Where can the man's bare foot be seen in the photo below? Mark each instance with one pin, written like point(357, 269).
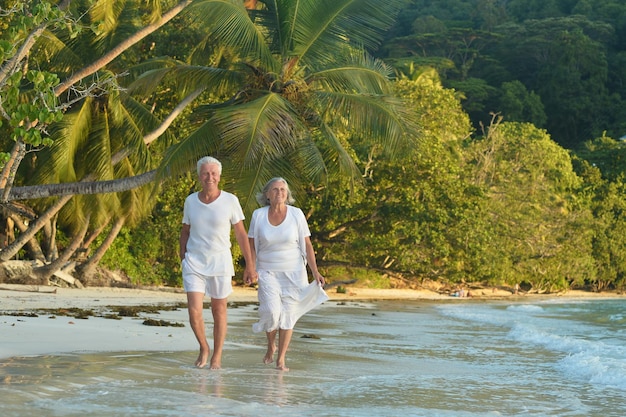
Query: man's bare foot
point(281, 367)
point(269, 355)
point(203, 357)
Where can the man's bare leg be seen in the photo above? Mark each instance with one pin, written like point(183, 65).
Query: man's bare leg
point(220, 316)
point(284, 337)
point(195, 305)
point(271, 347)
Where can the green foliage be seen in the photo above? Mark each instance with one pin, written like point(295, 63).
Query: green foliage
point(364, 277)
point(567, 54)
point(28, 103)
point(609, 250)
point(540, 231)
point(136, 253)
point(607, 154)
point(404, 212)
point(519, 105)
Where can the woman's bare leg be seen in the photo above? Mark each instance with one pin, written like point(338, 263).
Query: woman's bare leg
point(271, 347)
point(284, 337)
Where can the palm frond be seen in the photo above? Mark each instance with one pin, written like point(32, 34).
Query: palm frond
point(265, 136)
point(188, 78)
point(267, 127)
point(183, 156)
point(136, 203)
point(322, 27)
point(300, 167)
point(253, 133)
point(361, 74)
point(56, 163)
point(128, 138)
point(95, 158)
point(380, 117)
point(228, 22)
point(158, 67)
point(107, 13)
point(274, 28)
point(338, 161)
point(143, 121)
point(115, 21)
point(54, 54)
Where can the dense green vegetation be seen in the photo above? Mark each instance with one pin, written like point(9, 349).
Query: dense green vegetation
point(479, 146)
point(558, 64)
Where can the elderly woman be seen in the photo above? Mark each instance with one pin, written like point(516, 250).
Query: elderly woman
point(281, 245)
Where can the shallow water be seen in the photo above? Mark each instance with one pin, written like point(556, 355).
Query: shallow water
point(458, 358)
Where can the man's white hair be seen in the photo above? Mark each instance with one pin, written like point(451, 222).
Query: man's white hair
point(208, 160)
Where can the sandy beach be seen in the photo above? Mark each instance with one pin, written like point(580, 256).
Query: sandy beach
point(37, 320)
point(40, 320)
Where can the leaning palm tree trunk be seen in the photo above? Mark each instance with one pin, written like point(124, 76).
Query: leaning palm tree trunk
point(91, 237)
point(11, 250)
point(33, 245)
point(88, 268)
point(45, 272)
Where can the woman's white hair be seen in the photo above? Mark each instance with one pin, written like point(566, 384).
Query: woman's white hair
point(208, 160)
point(262, 199)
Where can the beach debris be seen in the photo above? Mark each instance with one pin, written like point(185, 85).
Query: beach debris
point(161, 323)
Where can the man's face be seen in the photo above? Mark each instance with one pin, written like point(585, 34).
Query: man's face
point(209, 175)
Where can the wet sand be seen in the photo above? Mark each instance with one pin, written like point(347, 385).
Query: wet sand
point(37, 320)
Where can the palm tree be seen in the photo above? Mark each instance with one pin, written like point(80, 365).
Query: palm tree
point(101, 136)
point(286, 85)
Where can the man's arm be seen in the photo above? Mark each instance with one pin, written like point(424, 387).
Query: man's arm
point(249, 274)
point(182, 243)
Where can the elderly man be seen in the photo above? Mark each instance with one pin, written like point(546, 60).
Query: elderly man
point(206, 258)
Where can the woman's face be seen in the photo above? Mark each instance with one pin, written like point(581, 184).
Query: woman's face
point(277, 193)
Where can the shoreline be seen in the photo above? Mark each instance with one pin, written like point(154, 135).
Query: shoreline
point(24, 298)
point(43, 320)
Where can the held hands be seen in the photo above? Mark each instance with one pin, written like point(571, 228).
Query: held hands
point(250, 276)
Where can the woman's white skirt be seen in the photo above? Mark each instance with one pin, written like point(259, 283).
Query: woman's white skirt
point(284, 297)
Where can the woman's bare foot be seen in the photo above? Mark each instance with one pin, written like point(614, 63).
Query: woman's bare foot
point(281, 367)
point(216, 362)
point(203, 357)
point(269, 355)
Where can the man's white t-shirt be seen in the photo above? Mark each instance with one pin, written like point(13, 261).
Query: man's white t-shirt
point(208, 248)
point(279, 248)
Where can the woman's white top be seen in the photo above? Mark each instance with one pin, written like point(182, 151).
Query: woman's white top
point(208, 248)
point(282, 247)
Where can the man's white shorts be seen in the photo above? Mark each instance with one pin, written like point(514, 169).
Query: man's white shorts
point(214, 287)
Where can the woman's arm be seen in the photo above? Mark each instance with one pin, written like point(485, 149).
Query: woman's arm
point(310, 258)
